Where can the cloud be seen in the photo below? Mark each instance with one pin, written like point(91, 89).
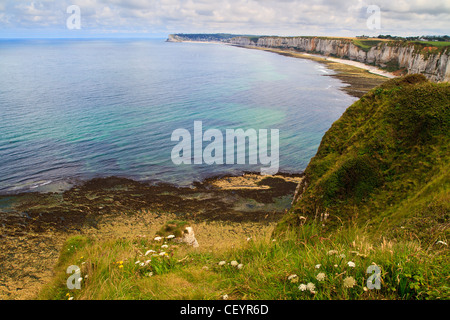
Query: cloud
point(285, 17)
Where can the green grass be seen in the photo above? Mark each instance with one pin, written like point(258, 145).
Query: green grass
point(366, 45)
point(387, 158)
point(408, 271)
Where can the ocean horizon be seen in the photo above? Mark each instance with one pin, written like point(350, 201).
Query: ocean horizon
point(73, 109)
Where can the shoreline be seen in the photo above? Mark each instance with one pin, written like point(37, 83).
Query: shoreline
point(359, 77)
point(34, 227)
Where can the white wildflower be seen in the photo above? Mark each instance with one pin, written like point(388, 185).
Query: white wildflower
point(342, 255)
point(157, 238)
point(164, 246)
point(234, 263)
point(310, 286)
point(170, 236)
point(321, 276)
point(150, 251)
point(162, 253)
point(302, 287)
point(221, 263)
point(225, 297)
point(351, 264)
point(331, 252)
point(349, 282)
point(318, 266)
point(293, 278)
point(240, 266)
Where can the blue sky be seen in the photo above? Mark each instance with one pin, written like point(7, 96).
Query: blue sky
point(158, 18)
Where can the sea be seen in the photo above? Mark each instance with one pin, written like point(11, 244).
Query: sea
point(76, 109)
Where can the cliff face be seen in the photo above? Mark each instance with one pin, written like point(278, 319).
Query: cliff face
point(435, 66)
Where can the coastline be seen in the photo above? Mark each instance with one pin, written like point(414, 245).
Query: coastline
point(359, 77)
point(34, 226)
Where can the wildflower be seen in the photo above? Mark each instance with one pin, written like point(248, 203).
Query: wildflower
point(70, 298)
point(321, 276)
point(249, 238)
point(162, 253)
point(310, 286)
point(441, 242)
point(170, 236)
point(142, 264)
point(293, 278)
point(157, 238)
point(302, 287)
point(318, 266)
point(331, 252)
point(121, 266)
point(234, 263)
point(149, 251)
point(225, 297)
point(150, 274)
point(205, 268)
point(164, 246)
point(349, 282)
point(137, 262)
point(335, 265)
point(221, 263)
point(240, 266)
point(351, 264)
point(147, 262)
point(80, 279)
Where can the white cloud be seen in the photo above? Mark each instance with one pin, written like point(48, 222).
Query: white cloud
point(285, 17)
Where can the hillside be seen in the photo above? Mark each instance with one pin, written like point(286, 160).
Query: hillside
point(384, 163)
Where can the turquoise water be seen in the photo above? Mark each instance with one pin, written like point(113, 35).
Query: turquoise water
point(72, 110)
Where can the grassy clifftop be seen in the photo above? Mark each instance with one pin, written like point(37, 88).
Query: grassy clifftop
point(384, 163)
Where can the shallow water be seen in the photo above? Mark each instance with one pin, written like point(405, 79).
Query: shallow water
point(72, 110)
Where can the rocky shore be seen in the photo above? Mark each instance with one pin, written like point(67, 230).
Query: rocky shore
point(34, 226)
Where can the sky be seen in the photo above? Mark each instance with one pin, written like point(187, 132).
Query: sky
point(158, 18)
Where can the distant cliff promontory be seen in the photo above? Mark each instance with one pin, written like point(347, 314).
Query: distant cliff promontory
point(432, 59)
